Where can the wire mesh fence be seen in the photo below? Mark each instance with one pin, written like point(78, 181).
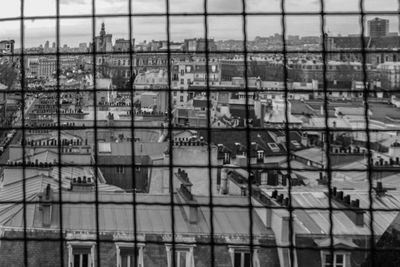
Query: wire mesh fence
point(289, 169)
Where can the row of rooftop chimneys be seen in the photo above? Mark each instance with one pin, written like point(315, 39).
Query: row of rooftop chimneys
point(82, 180)
point(112, 104)
point(189, 143)
point(280, 198)
point(32, 164)
point(147, 113)
point(349, 150)
point(351, 207)
point(55, 142)
point(49, 124)
point(55, 110)
point(382, 162)
point(47, 101)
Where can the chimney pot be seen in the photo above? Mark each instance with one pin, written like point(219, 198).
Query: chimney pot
point(347, 199)
point(280, 198)
point(286, 202)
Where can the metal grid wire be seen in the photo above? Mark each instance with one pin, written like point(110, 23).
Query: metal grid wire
point(244, 14)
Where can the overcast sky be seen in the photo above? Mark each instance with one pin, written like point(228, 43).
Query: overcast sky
point(74, 31)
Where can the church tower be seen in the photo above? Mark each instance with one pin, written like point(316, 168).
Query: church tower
point(103, 30)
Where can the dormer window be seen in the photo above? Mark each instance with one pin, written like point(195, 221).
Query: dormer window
point(274, 147)
point(260, 154)
point(120, 169)
point(337, 259)
point(227, 158)
point(81, 254)
point(128, 254)
point(183, 256)
point(296, 144)
point(242, 257)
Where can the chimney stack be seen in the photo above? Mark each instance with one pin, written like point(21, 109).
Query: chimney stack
point(45, 206)
point(185, 192)
point(351, 207)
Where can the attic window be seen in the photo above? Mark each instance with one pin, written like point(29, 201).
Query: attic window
point(295, 143)
point(120, 169)
point(242, 257)
point(183, 256)
point(81, 254)
point(127, 254)
point(227, 158)
point(274, 147)
point(338, 259)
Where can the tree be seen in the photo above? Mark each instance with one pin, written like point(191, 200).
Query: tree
point(8, 74)
point(119, 81)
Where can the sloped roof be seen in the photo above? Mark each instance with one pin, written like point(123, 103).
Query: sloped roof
point(125, 148)
point(316, 221)
point(79, 213)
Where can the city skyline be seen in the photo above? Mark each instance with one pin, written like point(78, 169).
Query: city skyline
point(182, 27)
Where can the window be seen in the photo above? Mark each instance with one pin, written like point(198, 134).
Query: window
point(274, 147)
point(227, 158)
point(335, 260)
point(295, 143)
point(183, 256)
point(127, 254)
point(182, 81)
point(181, 98)
point(242, 257)
point(182, 72)
point(120, 169)
point(81, 254)
point(260, 154)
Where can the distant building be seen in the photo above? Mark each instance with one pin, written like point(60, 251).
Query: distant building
point(378, 27)
point(380, 49)
point(103, 42)
point(390, 75)
point(122, 45)
point(83, 47)
point(7, 47)
point(199, 45)
point(192, 73)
